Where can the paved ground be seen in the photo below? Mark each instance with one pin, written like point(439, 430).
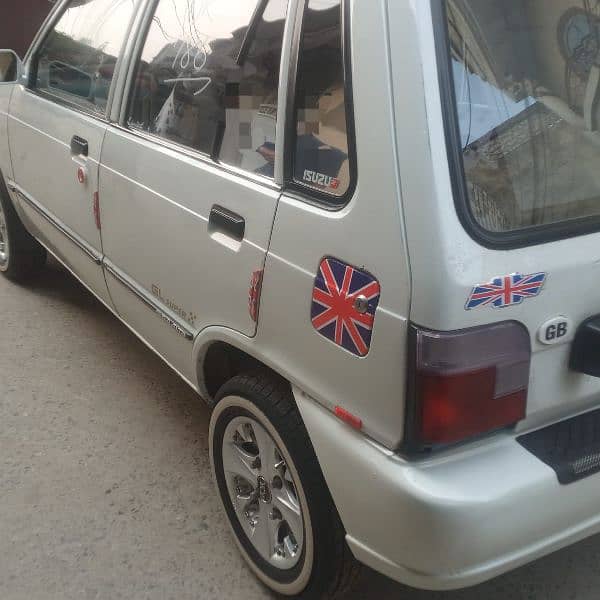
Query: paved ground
point(105, 490)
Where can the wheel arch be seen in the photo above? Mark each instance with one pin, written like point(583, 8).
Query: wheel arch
point(221, 355)
point(10, 196)
point(4, 188)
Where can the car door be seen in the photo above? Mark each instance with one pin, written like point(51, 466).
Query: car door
point(9, 67)
point(56, 127)
point(187, 180)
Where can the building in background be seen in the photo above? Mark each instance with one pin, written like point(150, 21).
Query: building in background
point(20, 23)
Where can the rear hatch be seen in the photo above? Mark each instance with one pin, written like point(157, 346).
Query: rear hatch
point(520, 93)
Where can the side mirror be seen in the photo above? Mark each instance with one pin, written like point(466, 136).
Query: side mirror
point(66, 78)
point(10, 66)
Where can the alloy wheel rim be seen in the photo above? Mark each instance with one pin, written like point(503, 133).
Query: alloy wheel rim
point(263, 493)
point(4, 246)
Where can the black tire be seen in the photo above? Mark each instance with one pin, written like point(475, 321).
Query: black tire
point(326, 568)
point(21, 256)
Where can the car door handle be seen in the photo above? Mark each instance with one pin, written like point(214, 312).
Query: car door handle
point(79, 146)
point(227, 222)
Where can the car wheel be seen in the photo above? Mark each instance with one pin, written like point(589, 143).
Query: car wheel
point(21, 256)
point(274, 494)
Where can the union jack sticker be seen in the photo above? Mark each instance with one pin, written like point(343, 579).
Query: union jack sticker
point(509, 290)
point(343, 305)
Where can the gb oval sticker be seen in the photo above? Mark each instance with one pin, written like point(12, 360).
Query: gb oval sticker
point(555, 331)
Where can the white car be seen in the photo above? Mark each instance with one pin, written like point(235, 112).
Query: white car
point(367, 232)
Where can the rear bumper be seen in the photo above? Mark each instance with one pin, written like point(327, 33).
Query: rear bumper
point(453, 521)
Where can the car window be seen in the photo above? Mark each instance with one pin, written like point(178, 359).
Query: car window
point(208, 79)
point(526, 85)
point(77, 60)
point(322, 150)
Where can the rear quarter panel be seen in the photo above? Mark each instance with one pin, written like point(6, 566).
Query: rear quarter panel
point(368, 233)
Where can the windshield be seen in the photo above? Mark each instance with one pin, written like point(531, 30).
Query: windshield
point(526, 77)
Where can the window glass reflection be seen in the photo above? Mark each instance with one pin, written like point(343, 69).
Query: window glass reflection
point(208, 79)
point(321, 159)
point(526, 78)
point(77, 61)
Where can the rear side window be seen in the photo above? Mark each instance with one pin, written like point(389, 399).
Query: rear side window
point(321, 159)
point(526, 79)
point(208, 79)
point(76, 62)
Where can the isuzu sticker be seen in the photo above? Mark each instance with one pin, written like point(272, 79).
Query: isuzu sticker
point(343, 305)
point(506, 291)
point(321, 179)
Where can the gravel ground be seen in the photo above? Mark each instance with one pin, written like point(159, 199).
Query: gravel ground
point(105, 485)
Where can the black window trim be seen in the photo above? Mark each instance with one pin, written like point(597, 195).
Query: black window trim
point(32, 58)
point(292, 187)
point(509, 240)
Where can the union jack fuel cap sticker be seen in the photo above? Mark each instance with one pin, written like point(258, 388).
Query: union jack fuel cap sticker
point(343, 305)
point(509, 290)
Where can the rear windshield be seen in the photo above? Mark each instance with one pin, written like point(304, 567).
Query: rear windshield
point(526, 82)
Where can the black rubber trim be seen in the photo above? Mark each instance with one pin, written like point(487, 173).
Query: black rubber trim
point(175, 324)
point(571, 448)
point(410, 443)
point(294, 188)
point(509, 240)
point(248, 40)
point(88, 250)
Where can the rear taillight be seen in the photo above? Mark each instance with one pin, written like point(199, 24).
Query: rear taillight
point(466, 383)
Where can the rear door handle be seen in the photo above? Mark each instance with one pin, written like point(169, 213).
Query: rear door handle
point(227, 222)
point(79, 146)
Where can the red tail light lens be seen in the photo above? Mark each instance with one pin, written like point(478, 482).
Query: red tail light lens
point(467, 383)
